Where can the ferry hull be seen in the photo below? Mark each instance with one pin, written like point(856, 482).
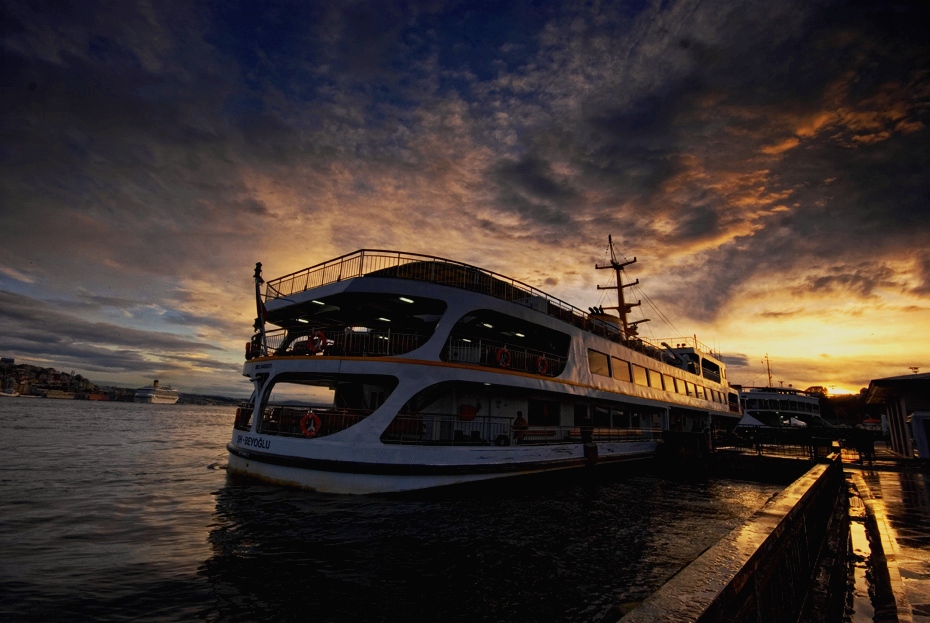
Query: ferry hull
point(346, 477)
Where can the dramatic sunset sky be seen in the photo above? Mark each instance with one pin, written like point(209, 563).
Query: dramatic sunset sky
point(766, 162)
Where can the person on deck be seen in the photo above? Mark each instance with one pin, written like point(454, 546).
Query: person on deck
point(519, 427)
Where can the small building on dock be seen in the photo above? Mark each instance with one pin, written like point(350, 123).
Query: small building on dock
point(902, 396)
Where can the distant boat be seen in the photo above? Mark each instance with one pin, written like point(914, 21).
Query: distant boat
point(7, 393)
point(156, 395)
point(59, 394)
point(779, 406)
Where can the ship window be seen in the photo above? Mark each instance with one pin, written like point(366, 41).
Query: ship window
point(489, 338)
point(599, 363)
point(621, 370)
point(338, 401)
point(581, 414)
point(668, 382)
point(655, 379)
point(355, 324)
point(689, 387)
point(543, 413)
point(639, 375)
point(792, 405)
point(601, 417)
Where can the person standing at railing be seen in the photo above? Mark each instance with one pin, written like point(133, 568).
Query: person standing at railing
point(519, 427)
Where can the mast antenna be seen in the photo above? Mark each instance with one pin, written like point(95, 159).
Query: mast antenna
point(623, 308)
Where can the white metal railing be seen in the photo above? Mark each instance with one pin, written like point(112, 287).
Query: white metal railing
point(446, 429)
point(352, 344)
point(500, 355)
point(287, 420)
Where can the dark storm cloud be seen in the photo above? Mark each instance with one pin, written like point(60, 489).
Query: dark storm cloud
point(863, 280)
point(529, 187)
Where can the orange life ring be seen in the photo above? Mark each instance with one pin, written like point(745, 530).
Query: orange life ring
point(542, 365)
point(467, 412)
point(310, 424)
point(318, 340)
point(503, 357)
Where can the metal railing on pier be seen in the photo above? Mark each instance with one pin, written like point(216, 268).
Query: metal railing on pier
point(812, 443)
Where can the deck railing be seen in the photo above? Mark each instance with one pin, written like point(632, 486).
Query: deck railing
point(500, 355)
point(429, 428)
point(353, 344)
point(288, 421)
point(446, 429)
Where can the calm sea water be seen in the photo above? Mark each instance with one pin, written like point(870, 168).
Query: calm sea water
point(114, 511)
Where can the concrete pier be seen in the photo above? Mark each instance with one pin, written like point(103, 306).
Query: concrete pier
point(789, 561)
point(895, 494)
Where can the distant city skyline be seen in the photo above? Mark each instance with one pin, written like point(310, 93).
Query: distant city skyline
point(767, 163)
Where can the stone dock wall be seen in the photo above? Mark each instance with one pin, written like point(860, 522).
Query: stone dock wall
point(790, 552)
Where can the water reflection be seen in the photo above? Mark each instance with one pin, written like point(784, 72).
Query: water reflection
point(550, 548)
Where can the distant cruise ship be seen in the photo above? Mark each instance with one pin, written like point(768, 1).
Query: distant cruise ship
point(157, 395)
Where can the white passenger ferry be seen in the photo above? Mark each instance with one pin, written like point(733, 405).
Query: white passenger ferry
point(383, 371)
point(156, 395)
point(779, 406)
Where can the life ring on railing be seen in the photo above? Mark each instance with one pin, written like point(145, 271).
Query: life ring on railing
point(310, 424)
point(542, 365)
point(319, 342)
point(248, 351)
point(467, 412)
point(503, 357)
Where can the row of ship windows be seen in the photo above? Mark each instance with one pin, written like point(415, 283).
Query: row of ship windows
point(784, 405)
point(604, 365)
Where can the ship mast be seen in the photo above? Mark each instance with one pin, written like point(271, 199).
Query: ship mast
point(623, 308)
point(768, 369)
point(262, 314)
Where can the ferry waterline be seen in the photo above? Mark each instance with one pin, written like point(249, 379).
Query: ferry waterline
point(383, 371)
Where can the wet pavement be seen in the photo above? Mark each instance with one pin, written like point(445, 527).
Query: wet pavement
point(896, 496)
